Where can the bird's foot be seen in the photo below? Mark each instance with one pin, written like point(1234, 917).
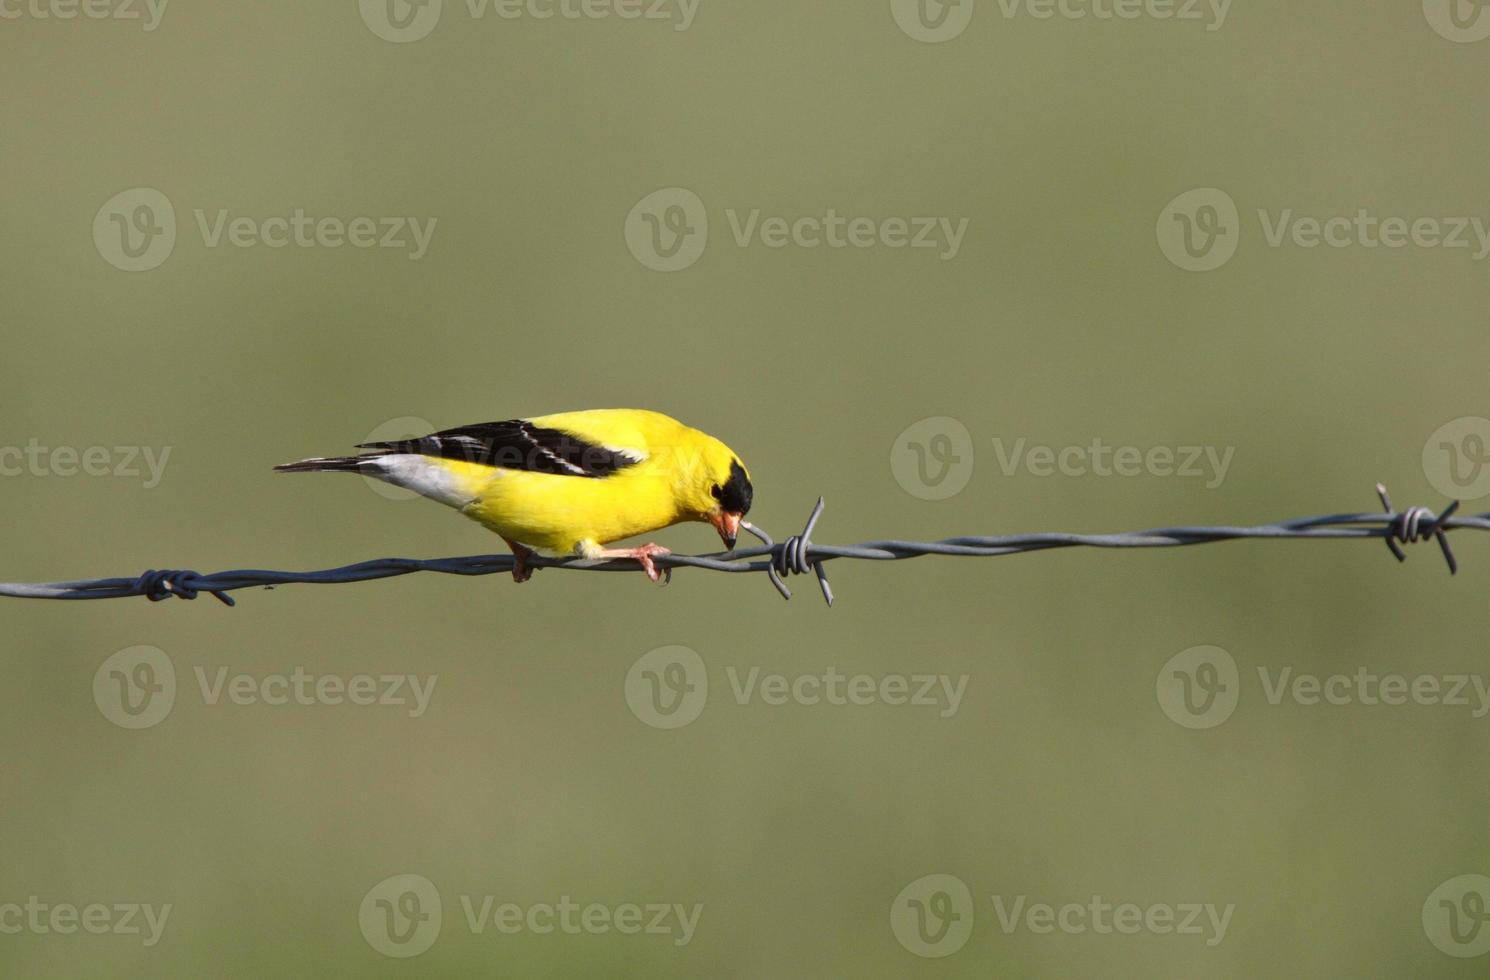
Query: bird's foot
point(643, 556)
point(521, 570)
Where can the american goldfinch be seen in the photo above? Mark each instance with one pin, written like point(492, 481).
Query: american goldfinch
point(567, 484)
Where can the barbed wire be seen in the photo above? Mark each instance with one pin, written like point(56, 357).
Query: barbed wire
point(797, 555)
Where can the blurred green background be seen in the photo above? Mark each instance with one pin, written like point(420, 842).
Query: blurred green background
point(528, 141)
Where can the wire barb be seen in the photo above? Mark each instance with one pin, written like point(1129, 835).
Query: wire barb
point(794, 556)
point(1417, 524)
point(159, 585)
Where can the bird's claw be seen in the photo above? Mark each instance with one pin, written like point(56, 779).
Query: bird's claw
point(644, 556)
point(521, 570)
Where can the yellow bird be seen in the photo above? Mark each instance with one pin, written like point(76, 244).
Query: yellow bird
point(567, 484)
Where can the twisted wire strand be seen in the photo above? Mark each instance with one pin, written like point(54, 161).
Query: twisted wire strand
point(797, 555)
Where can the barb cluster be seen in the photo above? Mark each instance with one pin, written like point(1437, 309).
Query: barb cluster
point(795, 556)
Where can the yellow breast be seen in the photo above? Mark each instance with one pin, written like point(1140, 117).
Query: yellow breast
point(554, 513)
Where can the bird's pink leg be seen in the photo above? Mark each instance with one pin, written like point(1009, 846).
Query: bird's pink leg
point(643, 555)
point(521, 572)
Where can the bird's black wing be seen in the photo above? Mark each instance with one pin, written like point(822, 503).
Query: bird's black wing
point(515, 445)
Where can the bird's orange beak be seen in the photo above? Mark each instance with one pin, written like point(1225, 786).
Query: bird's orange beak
point(728, 526)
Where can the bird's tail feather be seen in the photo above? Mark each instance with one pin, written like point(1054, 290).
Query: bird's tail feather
point(328, 464)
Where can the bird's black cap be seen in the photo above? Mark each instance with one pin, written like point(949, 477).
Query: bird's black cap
point(736, 494)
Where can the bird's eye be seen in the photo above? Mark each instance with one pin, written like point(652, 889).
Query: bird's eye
point(716, 492)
